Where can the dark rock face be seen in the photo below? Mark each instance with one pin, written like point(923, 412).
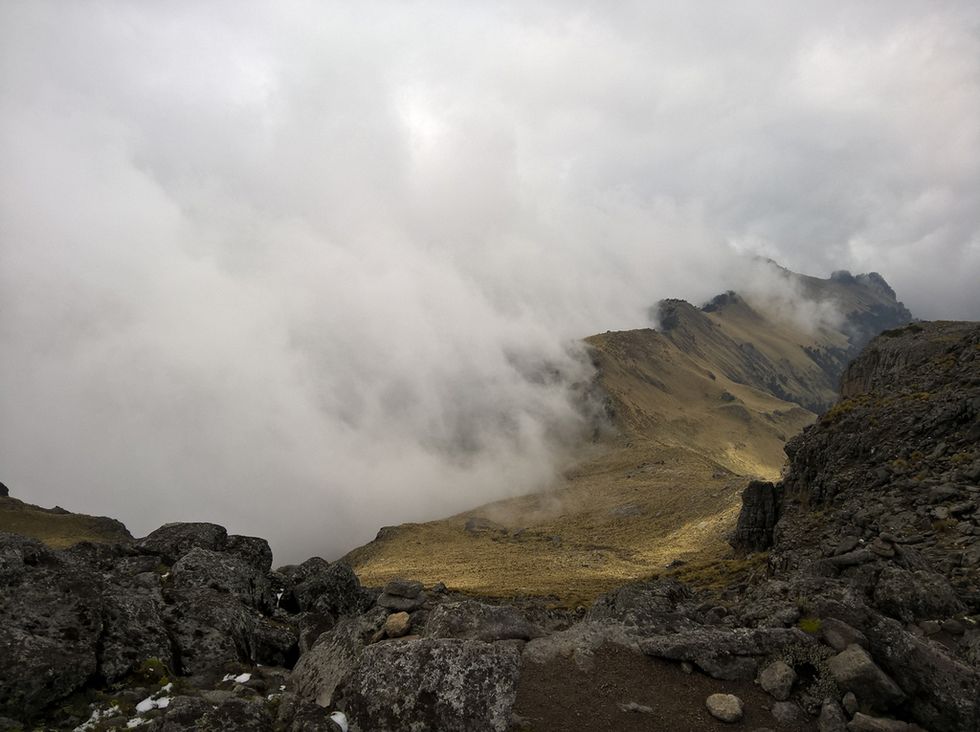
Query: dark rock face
point(878, 527)
point(173, 541)
point(761, 502)
point(318, 586)
point(98, 613)
point(4, 491)
point(444, 684)
point(50, 623)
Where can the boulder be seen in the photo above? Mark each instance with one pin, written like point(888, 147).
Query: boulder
point(204, 569)
point(450, 685)
point(580, 642)
point(51, 615)
point(725, 654)
point(274, 642)
point(478, 621)
point(320, 670)
point(726, 707)
point(403, 588)
point(853, 670)
point(777, 679)
point(172, 541)
point(252, 550)
point(831, 718)
point(866, 723)
point(318, 586)
point(910, 596)
point(839, 635)
point(134, 631)
point(209, 629)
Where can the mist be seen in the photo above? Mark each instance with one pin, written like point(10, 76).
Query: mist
point(309, 269)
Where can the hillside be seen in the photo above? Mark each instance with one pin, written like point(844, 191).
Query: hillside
point(699, 407)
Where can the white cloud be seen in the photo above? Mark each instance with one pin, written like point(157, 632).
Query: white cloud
point(285, 267)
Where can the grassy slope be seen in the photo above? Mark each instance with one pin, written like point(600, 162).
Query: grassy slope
point(56, 529)
point(667, 487)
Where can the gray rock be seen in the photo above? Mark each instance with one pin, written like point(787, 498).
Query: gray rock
point(318, 586)
point(478, 621)
point(51, 615)
point(320, 670)
point(839, 635)
point(725, 654)
point(910, 596)
point(209, 628)
point(761, 506)
point(832, 718)
point(942, 690)
point(252, 550)
point(398, 603)
point(865, 723)
point(853, 670)
point(204, 569)
point(580, 642)
point(172, 541)
point(449, 685)
point(787, 713)
point(726, 707)
point(274, 642)
point(777, 679)
point(133, 632)
point(403, 588)
point(850, 703)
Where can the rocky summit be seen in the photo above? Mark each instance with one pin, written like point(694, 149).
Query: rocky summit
point(859, 611)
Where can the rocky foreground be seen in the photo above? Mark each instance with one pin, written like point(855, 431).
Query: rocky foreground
point(863, 616)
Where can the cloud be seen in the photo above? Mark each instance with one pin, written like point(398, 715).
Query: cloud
point(302, 269)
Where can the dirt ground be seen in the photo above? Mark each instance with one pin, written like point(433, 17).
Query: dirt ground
point(558, 697)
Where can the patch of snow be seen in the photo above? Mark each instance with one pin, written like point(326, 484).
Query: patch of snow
point(134, 722)
point(282, 687)
point(97, 716)
point(167, 689)
point(228, 677)
point(150, 703)
point(242, 678)
point(341, 719)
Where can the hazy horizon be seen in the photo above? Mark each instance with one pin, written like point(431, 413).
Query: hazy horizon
point(297, 269)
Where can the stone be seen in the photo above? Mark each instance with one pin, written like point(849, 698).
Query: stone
point(397, 624)
point(725, 707)
point(209, 629)
point(319, 586)
point(403, 588)
point(320, 670)
point(866, 723)
point(51, 615)
point(761, 506)
point(853, 670)
point(172, 541)
point(831, 717)
point(777, 680)
point(787, 713)
point(207, 570)
point(839, 635)
point(252, 550)
point(134, 631)
point(398, 603)
point(910, 596)
point(478, 621)
point(274, 642)
point(725, 654)
point(850, 703)
point(445, 684)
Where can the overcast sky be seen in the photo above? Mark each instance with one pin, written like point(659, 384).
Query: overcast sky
point(294, 266)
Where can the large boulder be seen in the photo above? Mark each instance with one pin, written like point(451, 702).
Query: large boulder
point(204, 569)
point(319, 586)
point(854, 670)
point(51, 615)
point(478, 621)
point(449, 685)
point(209, 629)
point(172, 541)
point(911, 596)
point(725, 654)
point(321, 669)
point(134, 632)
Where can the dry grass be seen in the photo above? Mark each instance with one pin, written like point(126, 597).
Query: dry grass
point(667, 488)
point(57, 530)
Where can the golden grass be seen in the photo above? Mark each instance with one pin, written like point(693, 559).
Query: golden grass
point(57, 530)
